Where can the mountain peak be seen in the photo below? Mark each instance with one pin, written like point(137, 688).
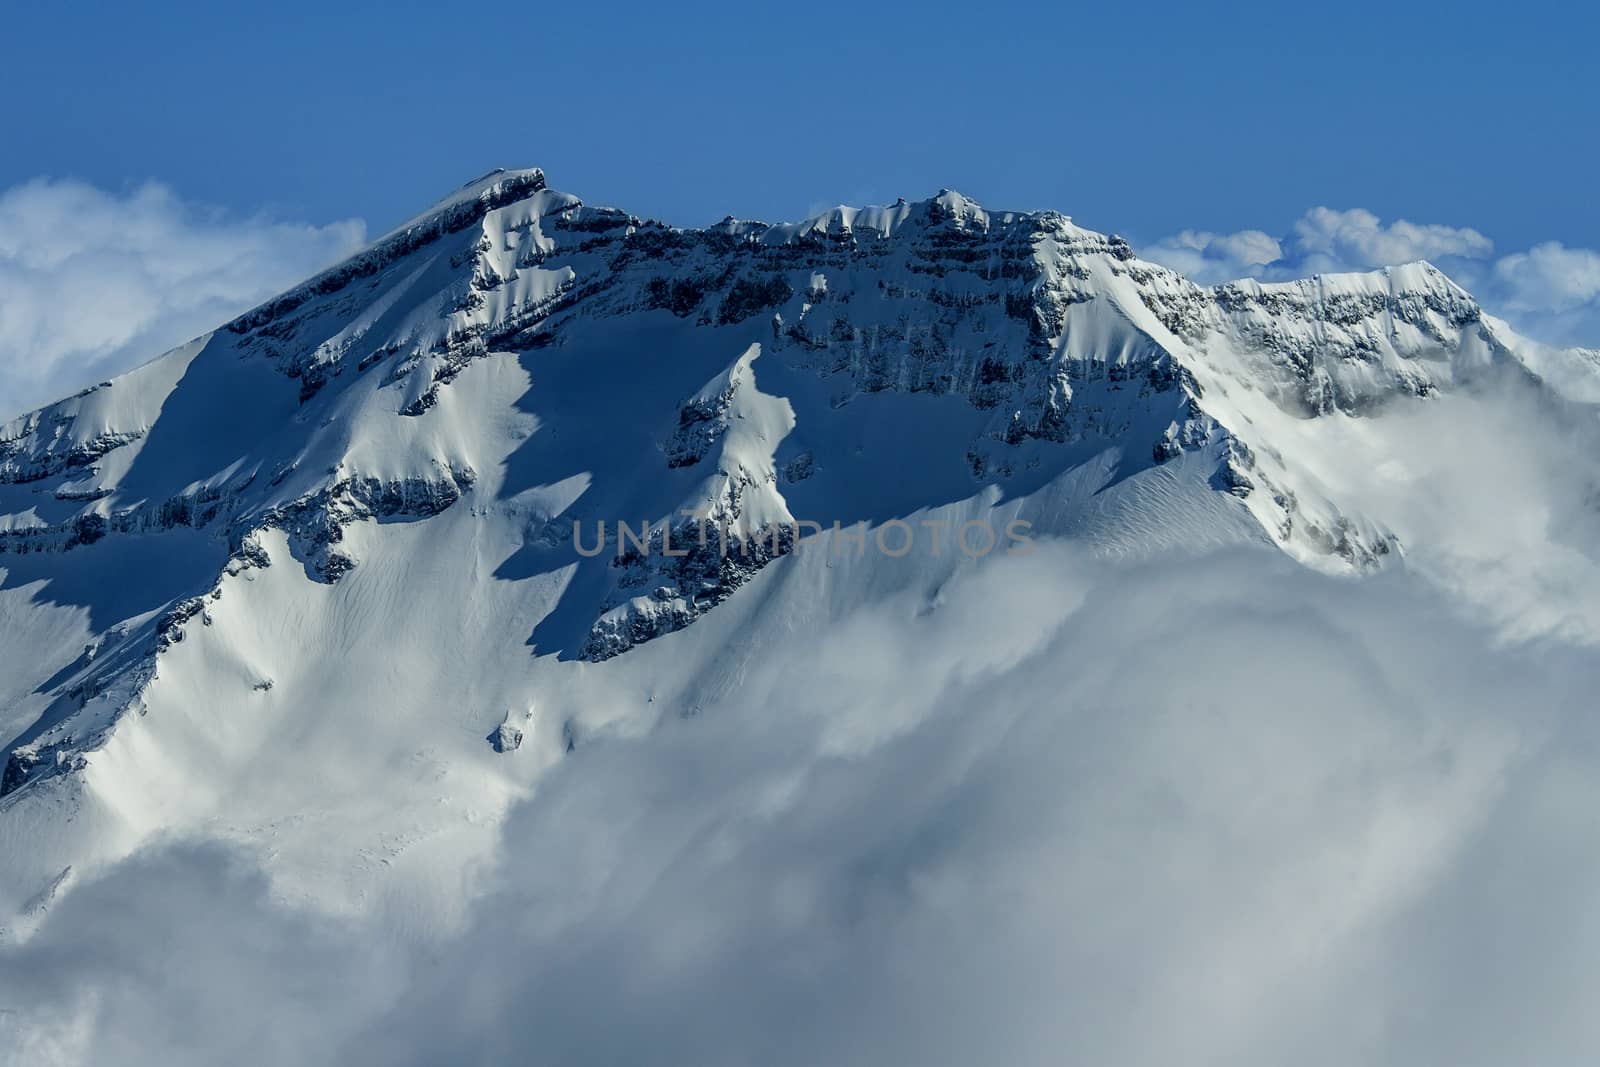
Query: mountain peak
point(467, 205)
point(429, 426)
point(498, 187)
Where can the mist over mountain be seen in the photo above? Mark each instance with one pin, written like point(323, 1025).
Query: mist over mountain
point(1086, 664)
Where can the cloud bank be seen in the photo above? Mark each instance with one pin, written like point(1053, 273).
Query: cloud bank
point(93, 283)
point(1221, 810)
point(1549, 291)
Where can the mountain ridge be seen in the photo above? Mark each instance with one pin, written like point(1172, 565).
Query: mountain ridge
point(1340, 309)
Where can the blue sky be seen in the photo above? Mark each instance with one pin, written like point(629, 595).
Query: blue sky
point(1142, 118)
point(167, 165)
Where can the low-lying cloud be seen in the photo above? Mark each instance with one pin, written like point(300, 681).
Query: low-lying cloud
point(94, 282)
point(1221, 810)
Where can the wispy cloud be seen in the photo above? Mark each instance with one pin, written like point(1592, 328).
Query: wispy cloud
point(1553, 280)
point(1325, 239)
point(93, 282)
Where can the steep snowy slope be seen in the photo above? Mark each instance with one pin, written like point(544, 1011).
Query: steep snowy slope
point(310, 584)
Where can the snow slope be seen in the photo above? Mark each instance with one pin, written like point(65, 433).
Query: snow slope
point(308, 586)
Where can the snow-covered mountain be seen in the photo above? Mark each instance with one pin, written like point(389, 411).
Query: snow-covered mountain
point(309, 585)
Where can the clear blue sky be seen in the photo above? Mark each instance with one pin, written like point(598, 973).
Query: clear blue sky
point(1142, 118)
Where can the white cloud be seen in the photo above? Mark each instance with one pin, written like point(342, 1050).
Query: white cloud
point(1230, 828)
point(1257, 805)
point(93, 282)
point(182, 990)
point(1359, 240)
point(1549, 277)
point(1322, 241)
point(1211, 257)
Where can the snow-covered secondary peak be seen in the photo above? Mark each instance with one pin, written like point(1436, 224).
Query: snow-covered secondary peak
point(948, 209)
point(375, 479)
